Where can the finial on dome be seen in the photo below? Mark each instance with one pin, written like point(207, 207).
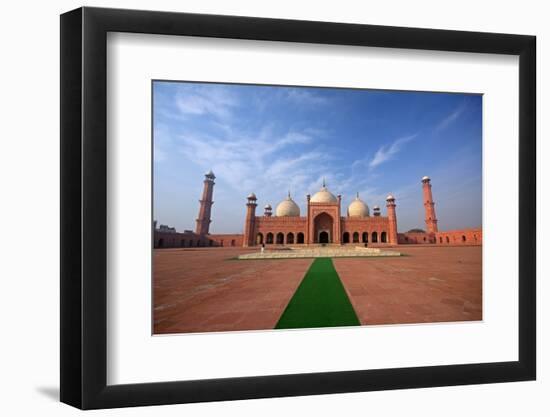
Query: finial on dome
point(357, 196)
point(324, 183)
point(289, 195)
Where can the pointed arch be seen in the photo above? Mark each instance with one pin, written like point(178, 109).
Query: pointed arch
point(345, 237)
point(374, 238)
point(290, 238)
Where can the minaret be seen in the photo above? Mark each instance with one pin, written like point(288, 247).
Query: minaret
point(431, 220)
point(267, 210)
point(250, 221)
point(337, 232)
point(392, 218)
point(309, 231)
point(376, 211)
point(203, 221)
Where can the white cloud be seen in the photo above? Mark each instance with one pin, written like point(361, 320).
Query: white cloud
point(451, 117)
point(388, 152)
point(213, 100)
point(305, 97)
point(266, 163)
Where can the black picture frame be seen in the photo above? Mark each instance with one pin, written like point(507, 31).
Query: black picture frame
point(84, 207)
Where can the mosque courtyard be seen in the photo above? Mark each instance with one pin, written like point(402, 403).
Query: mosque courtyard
point(209, 289)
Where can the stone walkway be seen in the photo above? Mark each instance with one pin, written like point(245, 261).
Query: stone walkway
point(320, 252)
point(208, 289)
point(432, 284)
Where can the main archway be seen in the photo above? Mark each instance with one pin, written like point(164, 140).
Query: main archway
point(323, 225)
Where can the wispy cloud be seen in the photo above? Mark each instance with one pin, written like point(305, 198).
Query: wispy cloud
point(304, 97)
point(388, 152)
point(261, 163)
point(451, 117)
point(246, 159)
point(214, 100)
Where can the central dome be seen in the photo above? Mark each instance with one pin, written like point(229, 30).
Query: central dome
point(287, 208)
point(324, 196)
point(358, 208)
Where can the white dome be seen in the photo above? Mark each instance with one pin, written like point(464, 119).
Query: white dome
point(358, 208)
point(287, 208)
point(324, 196)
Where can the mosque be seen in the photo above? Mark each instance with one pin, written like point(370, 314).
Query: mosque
point(323, 223)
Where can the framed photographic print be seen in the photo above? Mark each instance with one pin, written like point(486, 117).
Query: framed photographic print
point(258, 207)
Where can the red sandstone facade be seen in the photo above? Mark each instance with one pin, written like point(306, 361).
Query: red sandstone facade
point(323, 223)
point(460, 237)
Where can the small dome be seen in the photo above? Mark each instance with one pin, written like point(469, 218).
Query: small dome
point(425, 178)
point(287, 208)
point(390, 197)
point(210, 174)
point(324, 196)
point(358, 208)
point(376, 208)
point(267, 207)
point(252, 196)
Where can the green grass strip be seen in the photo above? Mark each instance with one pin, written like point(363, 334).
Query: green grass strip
point(319, 301)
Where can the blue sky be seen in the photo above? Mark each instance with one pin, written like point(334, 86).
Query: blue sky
point(269, 140)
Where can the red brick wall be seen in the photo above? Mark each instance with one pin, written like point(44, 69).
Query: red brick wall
point(450, 237)
point(369, 225)
point(178, 240)
point(227, 239)
point(289, 227)
point(460, 237)
point(193, 240)
point(285, 225)
point(409, 238)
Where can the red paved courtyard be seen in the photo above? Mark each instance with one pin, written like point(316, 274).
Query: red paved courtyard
point(207, 289)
